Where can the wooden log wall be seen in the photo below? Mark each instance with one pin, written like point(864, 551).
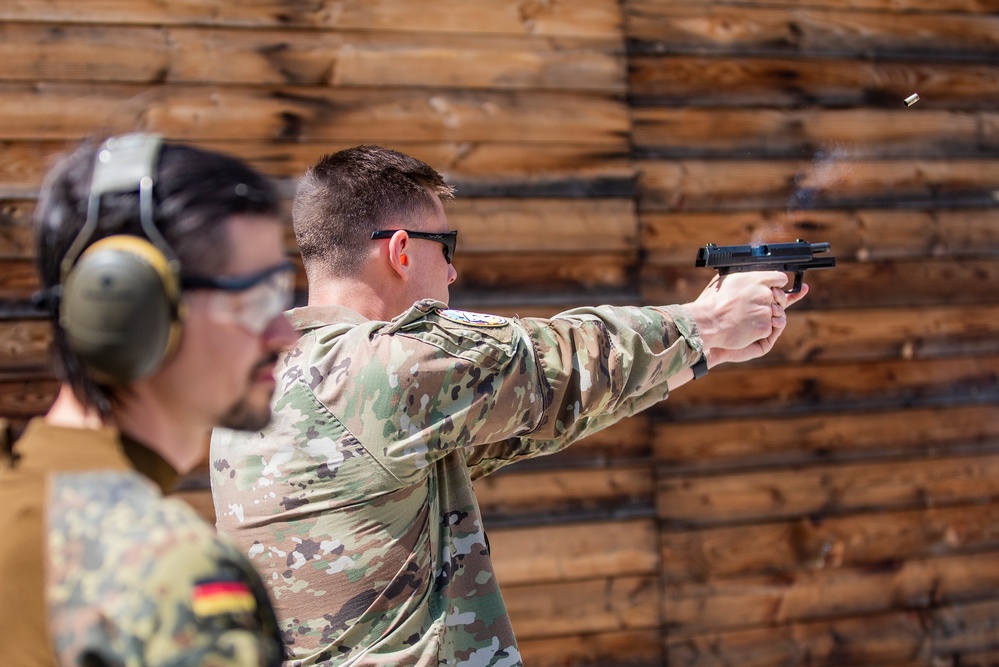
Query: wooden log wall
point(834, 503)
point(831, 504)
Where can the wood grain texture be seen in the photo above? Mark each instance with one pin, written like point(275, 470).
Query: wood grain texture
point(757, 442)
point(600, 18)
point(827, 181)
point(811, 30)
point(638, 648)
point(850, 133)
point(830, 504)
point(755, 601)
point(903, 639)
point(175, 55)
point(800, 389)
point(291, 113)
point(574, 551)
point(583, 608)
point(827, 490)
point(862, 235)
point(863, 539)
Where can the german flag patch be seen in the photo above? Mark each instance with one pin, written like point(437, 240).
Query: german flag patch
point(215, 598)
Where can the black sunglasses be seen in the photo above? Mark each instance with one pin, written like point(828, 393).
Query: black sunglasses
point(446, 239)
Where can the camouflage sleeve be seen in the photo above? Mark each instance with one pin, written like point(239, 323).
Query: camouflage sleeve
point(215, 614)
point(432, 382)
point(634, 351)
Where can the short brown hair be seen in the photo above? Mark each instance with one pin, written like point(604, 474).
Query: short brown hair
point(349, 194)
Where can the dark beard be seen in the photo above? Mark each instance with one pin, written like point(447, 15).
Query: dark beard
point(242, 416)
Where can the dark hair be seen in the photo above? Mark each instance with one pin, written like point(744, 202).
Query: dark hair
point(347, 195)
point(195, 191)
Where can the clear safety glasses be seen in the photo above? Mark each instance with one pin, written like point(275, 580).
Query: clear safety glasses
point(251, 301)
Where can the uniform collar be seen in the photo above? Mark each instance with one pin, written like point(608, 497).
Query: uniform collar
point(149, 463)
point(46, 447)
point(314, 317)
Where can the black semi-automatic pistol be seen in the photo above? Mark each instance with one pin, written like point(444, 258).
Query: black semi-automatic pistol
point(795, 258)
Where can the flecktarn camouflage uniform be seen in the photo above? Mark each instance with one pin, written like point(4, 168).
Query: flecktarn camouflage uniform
point(356, 504)
point(130, 578)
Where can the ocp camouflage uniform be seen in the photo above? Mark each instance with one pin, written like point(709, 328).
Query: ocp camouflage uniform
point(357, 504)
point(98, 568)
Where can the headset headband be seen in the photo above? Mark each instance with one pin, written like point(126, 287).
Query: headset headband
point(123, 164)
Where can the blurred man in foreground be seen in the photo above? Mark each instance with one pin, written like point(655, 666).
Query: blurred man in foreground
point(163, 268)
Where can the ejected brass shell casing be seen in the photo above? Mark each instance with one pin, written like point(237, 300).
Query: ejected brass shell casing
point(911, 99)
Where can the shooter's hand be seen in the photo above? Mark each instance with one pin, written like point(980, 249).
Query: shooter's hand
point(740, 316)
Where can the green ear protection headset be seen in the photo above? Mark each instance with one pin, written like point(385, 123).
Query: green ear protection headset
point(120, 297)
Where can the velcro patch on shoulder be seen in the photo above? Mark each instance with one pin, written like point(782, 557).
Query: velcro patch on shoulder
point(473, 319)
point(214, 598)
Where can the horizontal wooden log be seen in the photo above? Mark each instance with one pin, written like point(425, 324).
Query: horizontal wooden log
point(971, 658)
point(692, 608)
point(664, 27)
point(295, 113)
point(829, 181)
point(686, 500)
point(966, 628)
point(157, 55)
point(640, 648)
point(759, 442)
point(18, 279)
point(549, 493)
point(600, 18)
point(24, 344)
point(967, 6)
point(858, 133)
point(740, 391)
point(24, 397)
point(486, 226)
point(555, 226)
point(508, 170)
point(536, 272)
point(574, 551)
point(672, 238)
point(903, 284)
point(748, 81)
point(590, 606)
point(822, 543)
point(16, 235)
point(887, 640)
point(889, 333)
point(936, 637)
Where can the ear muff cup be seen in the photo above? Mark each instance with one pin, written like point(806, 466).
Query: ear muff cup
point(120, 309)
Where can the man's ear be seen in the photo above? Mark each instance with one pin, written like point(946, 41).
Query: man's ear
point(398, 258)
